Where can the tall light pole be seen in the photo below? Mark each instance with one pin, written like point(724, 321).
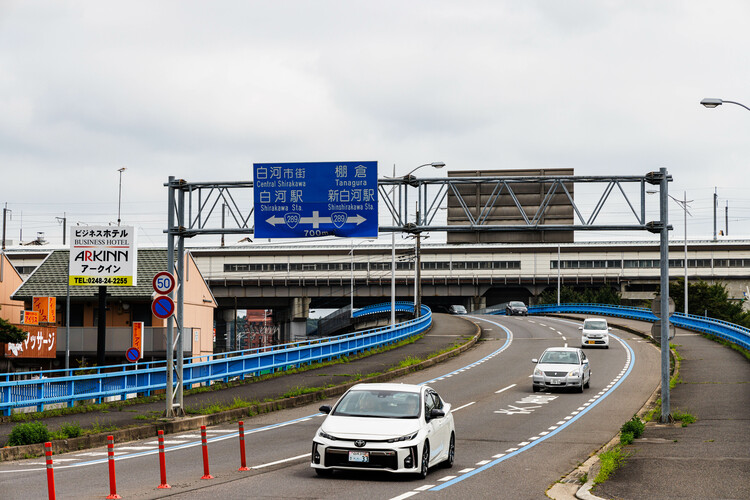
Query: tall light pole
point(119, 196)
point(351, 252)
point(417, 262)
point(683, 203)
point(712, 102)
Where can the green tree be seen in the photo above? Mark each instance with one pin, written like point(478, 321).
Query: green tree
point(568, 295)
point(711, 300)
point(11, 333)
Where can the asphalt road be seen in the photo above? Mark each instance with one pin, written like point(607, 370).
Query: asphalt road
point(511, 443)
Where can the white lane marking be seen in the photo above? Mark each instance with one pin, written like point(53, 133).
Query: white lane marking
point(462, 407)
point(511, 450)
point(483, 462)
point(468, 469)
point(425, 487)
point(506, 388)
point(283, 460)
point(405, 495)
point(447, 478)
point(521, 444)
point(499, 455)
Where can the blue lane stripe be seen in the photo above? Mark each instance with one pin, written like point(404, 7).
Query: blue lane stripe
point(544, 438)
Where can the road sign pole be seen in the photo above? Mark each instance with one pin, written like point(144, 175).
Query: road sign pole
point(664, 265)
point(169, 411)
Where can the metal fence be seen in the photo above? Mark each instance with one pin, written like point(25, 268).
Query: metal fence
point(43, 388)
point(730, 332)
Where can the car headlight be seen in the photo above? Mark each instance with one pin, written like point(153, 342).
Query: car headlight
point(574, 373)
point(325, 435)
point(408, 437)
point(538, 372)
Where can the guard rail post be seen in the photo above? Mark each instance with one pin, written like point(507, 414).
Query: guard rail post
point(243, 463)
point(204, 445)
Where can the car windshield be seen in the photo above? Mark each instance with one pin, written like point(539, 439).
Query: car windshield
point(379, 404)
point(559, 357)
point(598, 324)
point(517, 304)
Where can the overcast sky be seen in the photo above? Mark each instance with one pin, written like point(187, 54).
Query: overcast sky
point(202, 90)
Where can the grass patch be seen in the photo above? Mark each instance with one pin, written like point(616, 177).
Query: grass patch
point(610, 461)
point(684, 417)
point(410, 361)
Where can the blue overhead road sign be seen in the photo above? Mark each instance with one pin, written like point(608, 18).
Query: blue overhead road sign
point(297, 200)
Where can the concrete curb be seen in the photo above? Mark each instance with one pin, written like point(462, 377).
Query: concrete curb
point(195, 422)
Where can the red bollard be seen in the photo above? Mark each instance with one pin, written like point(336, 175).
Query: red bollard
point(50, 471)
point(204, 443)
point(242, 447)
point(111, 459)
point(162, 462)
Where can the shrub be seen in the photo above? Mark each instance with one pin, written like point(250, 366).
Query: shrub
point(633, 426)
point(28, 433)
point(626, 438)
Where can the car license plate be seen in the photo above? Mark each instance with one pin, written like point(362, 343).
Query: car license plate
point(591, 342)
point(555, 381)
point(359, 456)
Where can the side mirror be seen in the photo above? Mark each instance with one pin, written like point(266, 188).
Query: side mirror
point(436, 413)
point(609, 328)
point(534, 360)
point(580, 328)
point(325, 409)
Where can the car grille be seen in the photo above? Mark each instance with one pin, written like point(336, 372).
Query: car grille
point(555, 374)
point(379, 459)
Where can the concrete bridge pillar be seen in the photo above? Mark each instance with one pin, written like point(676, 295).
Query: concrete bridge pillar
point(478, 302)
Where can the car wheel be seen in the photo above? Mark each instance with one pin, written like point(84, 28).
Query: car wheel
point(580, 388)
point(324, 472)
point(425, 460)
point(588, 382)
point(535, 388)
point(451, 452)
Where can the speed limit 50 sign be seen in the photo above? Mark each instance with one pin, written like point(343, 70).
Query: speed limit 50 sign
point(163, 282)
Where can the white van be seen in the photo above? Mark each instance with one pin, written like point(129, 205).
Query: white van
point(595, 332)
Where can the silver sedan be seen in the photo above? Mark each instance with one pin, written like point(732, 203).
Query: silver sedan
point(561, 367)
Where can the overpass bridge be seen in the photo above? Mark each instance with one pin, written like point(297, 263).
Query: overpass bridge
point(292, 280)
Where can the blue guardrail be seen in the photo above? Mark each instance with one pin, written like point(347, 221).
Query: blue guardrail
point(730, 332)
point(46, 387)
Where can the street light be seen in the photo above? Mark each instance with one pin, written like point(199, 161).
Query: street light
point(119, 196)
point(683, 203)
point(351, 252)
point(712, 102)
point(417, 277)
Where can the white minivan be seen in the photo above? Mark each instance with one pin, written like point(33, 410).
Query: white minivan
point(595, 332)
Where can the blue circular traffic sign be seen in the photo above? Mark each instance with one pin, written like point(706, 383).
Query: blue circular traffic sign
point(133, 354)
point(162, 307)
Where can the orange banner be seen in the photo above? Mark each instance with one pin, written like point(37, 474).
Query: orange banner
point(46, 307)
point(41, 342)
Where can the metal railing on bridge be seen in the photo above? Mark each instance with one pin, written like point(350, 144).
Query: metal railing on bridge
point(730, 332)
point(97, 383)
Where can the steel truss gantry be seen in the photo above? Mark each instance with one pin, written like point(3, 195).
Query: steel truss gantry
point(200, 216)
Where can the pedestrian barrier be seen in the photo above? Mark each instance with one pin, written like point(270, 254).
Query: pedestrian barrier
point(204, 446)
point(243, 463)
point(162, 462)
point(50, 471)
point(111, 460)
point(46, 387)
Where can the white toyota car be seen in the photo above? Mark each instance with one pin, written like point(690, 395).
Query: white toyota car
point(397, 428)
point(595, 332)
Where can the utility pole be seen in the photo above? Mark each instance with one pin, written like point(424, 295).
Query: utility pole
point(726, 219)
point(716, 202)
point(5, 215)
point(64, 221)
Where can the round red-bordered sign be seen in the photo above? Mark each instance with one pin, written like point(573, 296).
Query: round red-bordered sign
point(163, 282)
point(162, 307)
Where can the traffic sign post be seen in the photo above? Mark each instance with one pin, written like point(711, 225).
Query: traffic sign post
point(162, 307)
point(298, 200)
